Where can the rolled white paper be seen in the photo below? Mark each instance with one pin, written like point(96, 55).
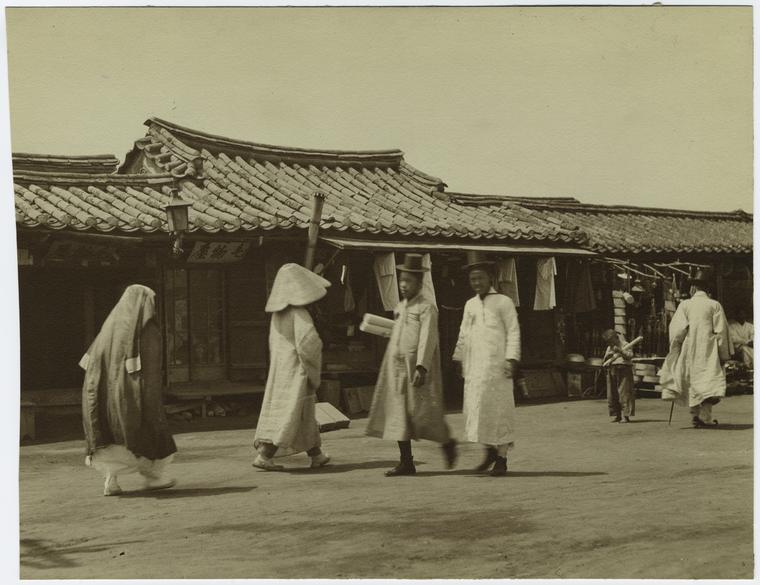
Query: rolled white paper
point(378, 321)
point(375, 330)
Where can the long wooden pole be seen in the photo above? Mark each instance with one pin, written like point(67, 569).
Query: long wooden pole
point(317, 201)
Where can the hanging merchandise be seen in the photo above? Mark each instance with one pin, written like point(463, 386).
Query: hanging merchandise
point(506, 279)
point(339, 301)
point(427, 279)
point(349, 304)
point(583, 298)
point(545, 298)
point(387, 282)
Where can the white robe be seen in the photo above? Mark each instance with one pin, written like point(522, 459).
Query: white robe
point(699, 342)
point(489, 335)
point(288, 419)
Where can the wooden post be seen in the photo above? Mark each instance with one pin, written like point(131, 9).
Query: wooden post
point(317, 201)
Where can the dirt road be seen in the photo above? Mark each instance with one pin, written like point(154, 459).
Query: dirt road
point(584, 499)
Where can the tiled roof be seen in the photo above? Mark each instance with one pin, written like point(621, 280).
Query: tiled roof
point(237, 185)
point(55, 163)
point(245, 185)
point(92, 202)
point(629, 229)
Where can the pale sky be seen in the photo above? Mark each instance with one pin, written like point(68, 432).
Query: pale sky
point(645, 106)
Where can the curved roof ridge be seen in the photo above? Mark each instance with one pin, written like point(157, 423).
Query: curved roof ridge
point(35, 155)
point(591, 207)
point(56, 163)
point(574, 204)
point(93, 178)
point(490, 199)
point(381, 156)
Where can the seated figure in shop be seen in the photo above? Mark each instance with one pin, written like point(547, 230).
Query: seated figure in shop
point(742, 335)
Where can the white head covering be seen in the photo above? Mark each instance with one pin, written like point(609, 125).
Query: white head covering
point(295, 286)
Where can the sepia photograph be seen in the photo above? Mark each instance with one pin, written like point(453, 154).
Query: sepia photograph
point(380, 292)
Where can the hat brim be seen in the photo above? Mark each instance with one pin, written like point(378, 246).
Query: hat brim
point(474, 265)
point(402, 268)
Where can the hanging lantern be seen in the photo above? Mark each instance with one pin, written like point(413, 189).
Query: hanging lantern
point(178, 219)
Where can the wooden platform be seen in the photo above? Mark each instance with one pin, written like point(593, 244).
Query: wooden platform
point(53, 397)
point(330, 418)
point(203, 392)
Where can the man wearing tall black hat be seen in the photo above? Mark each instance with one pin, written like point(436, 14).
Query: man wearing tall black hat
point(693, 372)
point(489, 351)
point(408, 399)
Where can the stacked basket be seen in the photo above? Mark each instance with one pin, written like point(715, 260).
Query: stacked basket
point(618, 303)
point(646, 374)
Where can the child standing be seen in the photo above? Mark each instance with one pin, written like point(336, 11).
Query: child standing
point(621, 396)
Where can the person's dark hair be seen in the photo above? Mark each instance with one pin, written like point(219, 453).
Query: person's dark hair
point(609, 336)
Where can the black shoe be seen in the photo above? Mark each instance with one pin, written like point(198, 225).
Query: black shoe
point(698, 423)
point(500, 467)
point(490, 459)
point(403, 468)
point(450, 452)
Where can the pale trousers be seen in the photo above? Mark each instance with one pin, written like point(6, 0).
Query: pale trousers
point(117, 459)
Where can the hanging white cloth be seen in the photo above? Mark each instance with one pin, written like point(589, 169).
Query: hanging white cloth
point(506, 279)
point(545, 297)
point(387, 281)
point(427, 280)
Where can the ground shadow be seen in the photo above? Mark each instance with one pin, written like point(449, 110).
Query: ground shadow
point(647, 420)
point(720, 427)
point(541, 400)
point(194, 492)
point(342, 467)
point(726, 427)
point(45, 554)
point(472, 472)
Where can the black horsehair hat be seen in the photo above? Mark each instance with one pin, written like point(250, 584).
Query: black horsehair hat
point(702, 276)
point(477, 259)
point(412, 263)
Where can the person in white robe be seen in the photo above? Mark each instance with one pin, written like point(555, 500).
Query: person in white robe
point(287, 424)
point(488, 349)
point(408, 400)
point(742, 335)
point(693, 372)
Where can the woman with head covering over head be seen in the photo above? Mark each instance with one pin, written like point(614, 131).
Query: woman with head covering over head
point(124, 420)
point(288, 424)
